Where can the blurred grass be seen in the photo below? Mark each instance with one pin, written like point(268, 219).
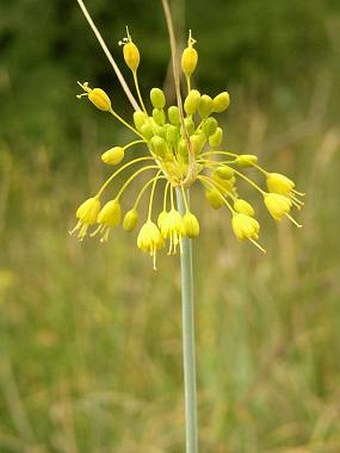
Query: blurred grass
point(90, 336)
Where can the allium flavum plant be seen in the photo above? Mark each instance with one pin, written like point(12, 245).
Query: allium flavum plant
point(184, 146)
point(181, 150)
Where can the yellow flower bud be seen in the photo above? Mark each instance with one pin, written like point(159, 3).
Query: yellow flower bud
point(191, 225)
point(216, 139)
point(205, 106)
point(246, 160)
point(191, 102)
point(279, 183)
point(173, 115)
point(225, 172)
point(157, 98)
point(221, 102)
point(210, 126)
point(113, 156)
point(130, 220)
point(214, 197)
point(100, 99)
point(110, 214)
point(88, 211)
point(243, 207)
point(131, 55)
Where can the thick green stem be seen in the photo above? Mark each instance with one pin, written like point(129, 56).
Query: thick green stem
point(188, 332)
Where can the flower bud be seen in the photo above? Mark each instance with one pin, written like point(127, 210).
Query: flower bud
point(113, 156)
point(221, 102)
point(246, 160)
point(189, 59)
point(182, 147)
point(210, 126)
point(88, 211)
point(158, 146)
point(173, 115)
point(243, 207)
point(159, 116)
point(189, 125)
point(172, 134)
point(157, 98)
point(214, 197)
point(197, 143)
point(131, 55)
point(205, 106)
point(139, 118)
point(147, 130)
point(225, 172)
point(216, 139)
point(130, 220)
point(279, 183)
point(100, 99)
point(191, 102)
point(191, 225)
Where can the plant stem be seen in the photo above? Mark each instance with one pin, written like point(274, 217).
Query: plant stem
point(188, 333)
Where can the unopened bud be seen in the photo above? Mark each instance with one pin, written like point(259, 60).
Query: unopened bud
point(173, 115)
point(172, 134)
point(246, 160)
point(139, 118)
point(113, 156)
point(197, 143)
point(209, 126)
point(225, 172)
point(243, 207)
point(100, 99)
point(216, 139)
point(157, 98)
point(214, 198)
point(130, 220)
point(221, 102)
point(192, 101)
point(159, 146)
point(159, 116)
point(206, 106)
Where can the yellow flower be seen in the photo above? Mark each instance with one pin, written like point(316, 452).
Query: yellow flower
point(87, 214)
point(97, 96)
point(246, 227)
point(278, 183)
point(172, 227)
point(108, 217)
point(149, 240)
point(192, 227)
point(278, 206)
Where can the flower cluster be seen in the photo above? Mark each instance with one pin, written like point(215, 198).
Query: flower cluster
point(184, 146)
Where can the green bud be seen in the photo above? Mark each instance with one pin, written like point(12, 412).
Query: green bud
point(225, 172)
point(216, 138)
point(113, 156)
point(221, 102)
point(130, 220)
point(192, 101)
point(157, 98)
point(146, 130)
point(214, 198)
point(159, 116)
point(246, 160)
point(172, 134)
point(160, 131)
point(182, 147)
point(139, 119)
point(243, 207)
point(205, 106)
point(173, 115)
point(197, 143)
point(210, 126)
point(159, 146)
point(189, 125)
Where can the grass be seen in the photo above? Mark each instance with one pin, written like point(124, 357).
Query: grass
point(90, 335)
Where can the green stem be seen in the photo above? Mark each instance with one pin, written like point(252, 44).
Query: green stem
point(188, 333)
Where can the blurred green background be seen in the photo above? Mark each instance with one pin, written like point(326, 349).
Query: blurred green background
point(90, 336)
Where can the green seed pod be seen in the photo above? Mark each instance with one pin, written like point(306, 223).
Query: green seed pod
point(113, 156)
point(216, 139)
point(159, 146)
point(172, 134)
point(221, 102)
point(173, 115)
point(191, 102)
point(146, 130)
point(214, 198)
point(243, 207)
point(130, 220)
point(159, 116)
point(225, 172)
point(205, 106)
point(246, 160)
point(157, 98)
point(139, 119)
point(210, 126)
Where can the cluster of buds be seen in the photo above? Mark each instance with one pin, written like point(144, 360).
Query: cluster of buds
point(184, 147)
